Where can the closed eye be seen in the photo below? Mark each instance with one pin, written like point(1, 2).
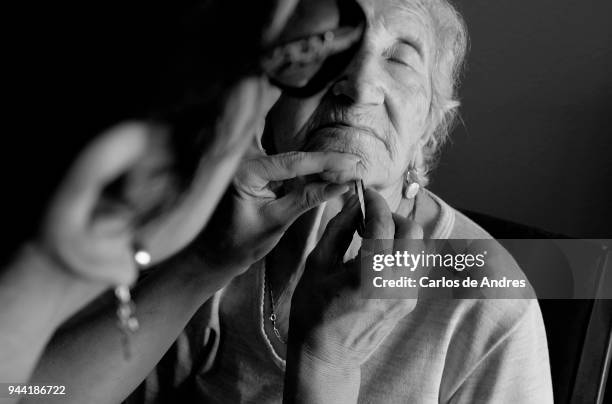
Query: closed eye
point(413, 44)
point(403, 54)
point(397, 60)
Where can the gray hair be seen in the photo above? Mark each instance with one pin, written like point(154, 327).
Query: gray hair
point(450, 48)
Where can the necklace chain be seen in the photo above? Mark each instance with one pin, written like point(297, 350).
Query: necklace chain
point(273, 317)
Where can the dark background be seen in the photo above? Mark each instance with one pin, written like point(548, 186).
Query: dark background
point(536, 143)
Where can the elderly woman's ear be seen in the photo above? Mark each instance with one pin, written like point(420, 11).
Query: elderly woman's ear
point(90, 224)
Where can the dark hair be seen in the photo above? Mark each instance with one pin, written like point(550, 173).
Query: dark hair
point(81, 68)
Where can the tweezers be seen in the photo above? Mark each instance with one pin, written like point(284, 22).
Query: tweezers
point(359, 190)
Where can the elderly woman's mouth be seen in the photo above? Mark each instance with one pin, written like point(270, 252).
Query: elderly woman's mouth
point(348, 126)
point(359, 140)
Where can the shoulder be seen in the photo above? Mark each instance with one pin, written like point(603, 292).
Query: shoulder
point(488, 335)
point(466, 228)
point(450, 223)
point(497, 350)
point(465, 236)
point(475, 326)
point(472, 350)
point(489, 321)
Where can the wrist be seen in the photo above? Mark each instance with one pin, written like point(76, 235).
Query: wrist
point(67, 288)
point(313, 380)
point(323, 362)
point(38, 295)
point(325, 347)
point(318, 349)
point(197, 274)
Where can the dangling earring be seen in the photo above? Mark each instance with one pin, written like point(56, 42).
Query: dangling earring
point(126, 310)
point(412, 186)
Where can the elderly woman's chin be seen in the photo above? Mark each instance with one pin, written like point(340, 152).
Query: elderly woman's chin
point(375, 165)
point(369, 148)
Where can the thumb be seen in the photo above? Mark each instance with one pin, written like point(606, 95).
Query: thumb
point(406, 228)
point(379, 222)
point(336, 238)
point(288, 208)
point(408, 234)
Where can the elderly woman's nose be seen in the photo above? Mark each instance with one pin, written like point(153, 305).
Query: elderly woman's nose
point(361, 82)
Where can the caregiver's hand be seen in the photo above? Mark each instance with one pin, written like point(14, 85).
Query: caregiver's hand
point(258, 209)
point(239, 121)
point(331, 320)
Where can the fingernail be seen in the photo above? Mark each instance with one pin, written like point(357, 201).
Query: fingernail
point(332, 190)
point(352, 201)
point(361, 229)
point(359, 169)
point(352, 158)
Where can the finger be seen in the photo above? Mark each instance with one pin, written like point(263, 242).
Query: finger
point(268, 96)
point(336, 238)
point(378, 221)
point(294, 164)
point(241, 118)
point(406, 228)
point(291, 206)
point(343, 176)
point(408, 235)
point(234, 130)
point(282, 11)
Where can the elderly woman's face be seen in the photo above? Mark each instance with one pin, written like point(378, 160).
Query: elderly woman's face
point(378, 108)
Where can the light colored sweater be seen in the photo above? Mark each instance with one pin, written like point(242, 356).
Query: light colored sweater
point(444, 351)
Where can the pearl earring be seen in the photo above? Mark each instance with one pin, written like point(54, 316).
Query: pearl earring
point(412, 187)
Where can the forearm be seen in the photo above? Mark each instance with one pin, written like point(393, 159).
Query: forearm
point(36, 296)
point(89, 358)
point(309, 380)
